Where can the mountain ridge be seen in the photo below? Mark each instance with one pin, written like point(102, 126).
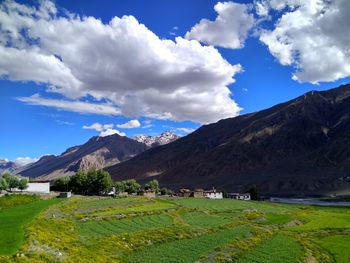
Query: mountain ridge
point(294, 147)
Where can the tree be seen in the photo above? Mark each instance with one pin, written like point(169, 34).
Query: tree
point(3, 184)
point(91, 182)
point(131, 186)
point(253, 192)
point(166, 191)
point(11, 180)
point(152, 185)
point(62, 184)
point(22, 184)
point(119, 187)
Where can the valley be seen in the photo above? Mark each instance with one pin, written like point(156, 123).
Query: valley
point(138, 229)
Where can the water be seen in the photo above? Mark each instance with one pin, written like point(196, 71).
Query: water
point(308, 201)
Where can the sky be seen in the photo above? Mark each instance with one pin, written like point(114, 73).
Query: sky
point(70, 70)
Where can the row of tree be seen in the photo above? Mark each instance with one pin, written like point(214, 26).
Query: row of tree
point(8, 182)
point(99, 182)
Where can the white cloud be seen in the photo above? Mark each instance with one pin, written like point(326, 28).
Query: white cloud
point(130, 124)
point(313, 36)
point(22, 161)
point(98, 126)
point(111, 132)
point(104, 129)
point(230, 28)
point(69, 105)
point(121, 61)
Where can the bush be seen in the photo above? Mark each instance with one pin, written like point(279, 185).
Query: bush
point(129, 186)
point(91, 182)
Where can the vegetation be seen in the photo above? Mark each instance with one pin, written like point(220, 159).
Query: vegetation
point(13, 219)
point(129, 186)
point(9, 182)
point(138, 229)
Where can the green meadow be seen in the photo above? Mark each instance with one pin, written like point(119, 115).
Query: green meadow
point(137, 229)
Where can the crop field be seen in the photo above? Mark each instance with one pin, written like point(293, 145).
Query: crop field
point(137, 229)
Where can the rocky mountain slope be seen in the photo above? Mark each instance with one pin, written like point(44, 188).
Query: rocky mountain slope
point(98, 152)
point(298, 147)
point(152, 141)
point(7, 166)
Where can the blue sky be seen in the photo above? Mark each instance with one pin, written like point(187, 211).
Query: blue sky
point(34, 130)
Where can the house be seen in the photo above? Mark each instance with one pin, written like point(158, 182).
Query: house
point(239, 196)
point(184, 192)
point(40, 187)
point(65, 195)
point(213, 194)
point(149, 193)
point(197, 193)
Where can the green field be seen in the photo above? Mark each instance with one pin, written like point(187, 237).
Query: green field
point(137, 229)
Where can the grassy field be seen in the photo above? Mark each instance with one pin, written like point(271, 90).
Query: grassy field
point(137, 229)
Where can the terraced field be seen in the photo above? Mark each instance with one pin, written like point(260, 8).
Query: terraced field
point(137, 229)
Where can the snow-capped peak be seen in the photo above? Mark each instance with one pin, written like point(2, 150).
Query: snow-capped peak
point(151, 141)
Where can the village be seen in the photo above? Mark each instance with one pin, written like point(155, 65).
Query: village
point(44, 188)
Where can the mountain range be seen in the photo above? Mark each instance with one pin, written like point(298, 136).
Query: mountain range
point(298, 147)
point(98, 152)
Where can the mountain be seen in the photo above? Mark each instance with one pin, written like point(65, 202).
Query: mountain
point(98, 152)
point(7, 166)
point(294, 148)
point(152, 141)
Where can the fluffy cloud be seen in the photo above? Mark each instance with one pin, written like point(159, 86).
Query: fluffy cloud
point(313, 36)
point(111, 132)
point(69, 105)
point(121, 61)
point(130, 124)
point(230, 28)
point(104, 129)
point(22, 161)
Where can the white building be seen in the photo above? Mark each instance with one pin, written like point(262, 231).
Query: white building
point(238, 196)
point(213, 194)
point(38, 187)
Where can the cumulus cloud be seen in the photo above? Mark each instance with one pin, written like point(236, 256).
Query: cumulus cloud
point(69, 105)
point(230, 28)
point(104, 129)
point(313, 36)
point(130, 124)
point(22, 161)
point(121, 61)
point(111, 132)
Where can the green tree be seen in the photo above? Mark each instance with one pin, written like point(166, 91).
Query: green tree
point(22, 184)
point(11, 180)
point(3, 184)
point(131, 186)
point(62, 184)
point(120, 186)
point(152, 185)
point(253, 192)
point(166, 191)
point(91, 182)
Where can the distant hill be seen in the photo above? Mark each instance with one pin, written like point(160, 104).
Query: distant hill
point(98, 152)
point(298, 147)
point(7, 166)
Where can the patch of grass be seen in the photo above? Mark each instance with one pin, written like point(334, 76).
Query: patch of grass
point(338, 246)
point(276, 219)
point(14, 219)
point(129, 225)
point(187, 250)
point(279, 248)
point(201, 219)
point(17, 199)
point(318, 219)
